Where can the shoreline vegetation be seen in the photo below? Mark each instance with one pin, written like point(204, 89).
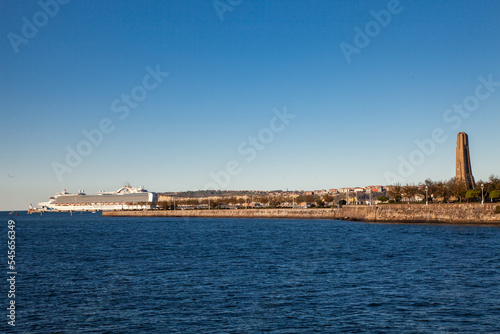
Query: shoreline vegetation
point(450, 191)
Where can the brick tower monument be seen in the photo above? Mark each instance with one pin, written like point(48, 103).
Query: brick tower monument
point(464, 170)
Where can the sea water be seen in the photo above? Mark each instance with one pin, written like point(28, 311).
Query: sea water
point(84, 273)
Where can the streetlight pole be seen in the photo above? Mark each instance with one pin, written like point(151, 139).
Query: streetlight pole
point(426, 195)
point(209, 203)
point(482, 194)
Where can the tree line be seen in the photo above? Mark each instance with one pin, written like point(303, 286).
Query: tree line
point(433, 191)
point(451, 190)
point(273, 201)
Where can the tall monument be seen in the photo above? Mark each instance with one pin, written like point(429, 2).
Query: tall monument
point(464, 170)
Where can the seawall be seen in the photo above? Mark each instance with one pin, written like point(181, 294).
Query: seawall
point(402, 213)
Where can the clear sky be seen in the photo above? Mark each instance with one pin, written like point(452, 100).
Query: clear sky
point(292, 94)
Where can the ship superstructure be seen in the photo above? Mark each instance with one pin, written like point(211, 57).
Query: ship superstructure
point(125, 198)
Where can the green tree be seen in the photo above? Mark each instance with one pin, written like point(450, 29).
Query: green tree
point(473, 194)
point(495, 182)
point(300, 199)
point(263, 199)
point(383, 199)
point(320, 203)
point(431, 188)
point(495, 194)
point(328, 198)
point(409, 191)
point(164, 205)
point(458, 189)
point(443, 191)
point(395, 192)
point(275, 201)
point(215, 203)
point(310, 198)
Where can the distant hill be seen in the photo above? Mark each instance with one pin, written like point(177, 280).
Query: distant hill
point(211, 193)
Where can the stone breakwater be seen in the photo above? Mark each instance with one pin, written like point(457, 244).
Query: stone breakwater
point(401, 213)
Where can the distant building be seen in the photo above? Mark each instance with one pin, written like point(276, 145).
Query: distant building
point(320, 192)
point(374, 189)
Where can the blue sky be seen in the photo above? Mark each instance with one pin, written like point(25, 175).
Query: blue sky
point(227, 80)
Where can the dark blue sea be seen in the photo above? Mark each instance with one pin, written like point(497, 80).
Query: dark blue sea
point(91, 274)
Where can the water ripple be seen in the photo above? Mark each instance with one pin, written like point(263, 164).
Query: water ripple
point(90, 274)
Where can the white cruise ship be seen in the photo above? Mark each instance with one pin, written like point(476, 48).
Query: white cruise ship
point(125, 198)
